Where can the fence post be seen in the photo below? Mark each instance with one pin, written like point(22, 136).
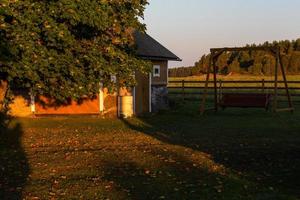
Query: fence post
point(183, 90)
point(263, 85)
point(220, 90)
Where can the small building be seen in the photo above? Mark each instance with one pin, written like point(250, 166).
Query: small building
point(149, 95)
point(149, 49)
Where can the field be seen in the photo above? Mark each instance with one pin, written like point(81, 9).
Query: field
point(178, 154)
point(235, 83)
point(234, 77)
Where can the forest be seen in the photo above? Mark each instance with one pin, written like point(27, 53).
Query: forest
point(247, 62)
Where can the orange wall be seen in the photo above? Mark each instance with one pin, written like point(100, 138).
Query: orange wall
point(88, 106)
point(20, 107)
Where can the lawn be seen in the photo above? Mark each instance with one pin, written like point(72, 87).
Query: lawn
point(178, 154)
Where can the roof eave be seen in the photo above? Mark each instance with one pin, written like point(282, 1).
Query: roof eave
point(160, 58)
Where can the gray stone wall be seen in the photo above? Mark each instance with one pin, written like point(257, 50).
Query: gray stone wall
point(159, 98)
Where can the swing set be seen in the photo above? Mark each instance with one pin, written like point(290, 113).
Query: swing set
point(246, 100)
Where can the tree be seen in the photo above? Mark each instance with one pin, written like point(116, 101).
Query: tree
point(256, 69)
point(268, 63)
point(63, 49)
point(294, 64)
point(297, 45)
point(234, 66)
point(222, 62)
point(286, 62)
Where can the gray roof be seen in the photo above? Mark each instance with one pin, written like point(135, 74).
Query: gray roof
point(148, 48)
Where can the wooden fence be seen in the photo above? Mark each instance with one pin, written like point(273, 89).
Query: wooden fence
point(184, 87)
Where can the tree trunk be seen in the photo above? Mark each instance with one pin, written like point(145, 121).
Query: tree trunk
point(3, 88)
point(5, 96)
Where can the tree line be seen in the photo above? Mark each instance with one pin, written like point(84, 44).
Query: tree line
point(247, 62)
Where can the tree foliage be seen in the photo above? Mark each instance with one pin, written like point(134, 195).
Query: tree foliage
point(65, 48)
point(248, 62)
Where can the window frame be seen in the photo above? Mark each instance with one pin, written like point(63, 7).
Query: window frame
point(154, 69)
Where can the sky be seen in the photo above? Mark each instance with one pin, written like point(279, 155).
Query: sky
point(189, 28)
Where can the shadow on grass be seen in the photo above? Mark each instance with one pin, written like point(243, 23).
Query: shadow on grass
point(14, 167)
point(173, 176)
point(260, 148)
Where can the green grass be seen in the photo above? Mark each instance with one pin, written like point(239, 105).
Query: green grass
point(178, 154)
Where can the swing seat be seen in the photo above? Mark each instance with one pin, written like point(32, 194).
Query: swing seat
point(250, 100)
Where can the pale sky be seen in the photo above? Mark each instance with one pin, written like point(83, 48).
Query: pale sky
point(189, 28)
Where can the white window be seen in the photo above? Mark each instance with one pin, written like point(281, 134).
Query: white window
point(156, 71)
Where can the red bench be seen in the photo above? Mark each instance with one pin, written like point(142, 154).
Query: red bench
point(250, 100)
